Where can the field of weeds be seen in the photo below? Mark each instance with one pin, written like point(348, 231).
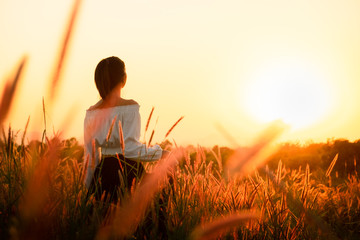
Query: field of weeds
point(191, 195)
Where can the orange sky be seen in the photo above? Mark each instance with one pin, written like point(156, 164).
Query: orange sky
point(227, 63)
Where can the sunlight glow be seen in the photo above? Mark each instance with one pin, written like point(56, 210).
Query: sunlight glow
point(290, 91)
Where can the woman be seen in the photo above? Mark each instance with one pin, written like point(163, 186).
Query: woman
point(111, 135)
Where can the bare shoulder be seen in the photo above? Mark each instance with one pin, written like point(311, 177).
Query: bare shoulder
point(124, 102)
point(95, 106)
point(118, 102)
point(131, 102)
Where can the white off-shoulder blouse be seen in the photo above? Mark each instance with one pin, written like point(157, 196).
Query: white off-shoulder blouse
point(99, 122)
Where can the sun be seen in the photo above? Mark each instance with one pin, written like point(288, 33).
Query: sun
point(293, 92)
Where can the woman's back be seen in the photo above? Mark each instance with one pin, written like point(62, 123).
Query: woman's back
point(112, 126)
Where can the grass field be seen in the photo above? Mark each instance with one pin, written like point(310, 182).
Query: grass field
point(43, 197)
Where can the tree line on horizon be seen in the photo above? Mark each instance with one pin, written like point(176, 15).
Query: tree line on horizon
point(294, 155)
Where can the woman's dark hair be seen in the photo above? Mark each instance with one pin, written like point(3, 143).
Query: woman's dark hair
point(109, 73)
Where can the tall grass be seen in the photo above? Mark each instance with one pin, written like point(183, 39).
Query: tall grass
point(187, 196)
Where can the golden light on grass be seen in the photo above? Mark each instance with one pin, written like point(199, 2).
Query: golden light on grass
point(298, 203)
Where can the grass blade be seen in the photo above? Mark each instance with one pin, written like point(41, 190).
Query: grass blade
point(149, 118)
point(173, 126)
point(110, 130)
point(9, 91)
point(55, 80)
point(151, 137)
point(219, 226)
point(332, 164)
point(121, 136)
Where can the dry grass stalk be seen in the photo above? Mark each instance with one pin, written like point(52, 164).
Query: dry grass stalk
point(44, 115)
point(153, 132)
point(278, 172)
point(85, 166)
point(296, 203)
point(307, 175)
point(151, 137)
point(110, 129)
point(170, 130)
point(23, 141)
point(306, 184)
point(149, 118)
point(130, 214)
point(121, 138)
point(221, 225)
point(55, 80)
point(332, 164)
point(24, 134)
point(9, 91)
point(93, 155)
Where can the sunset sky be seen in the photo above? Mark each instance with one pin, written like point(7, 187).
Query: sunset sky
point(233, 65)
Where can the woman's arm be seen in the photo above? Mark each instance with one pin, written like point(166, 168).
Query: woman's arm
point(134, 149)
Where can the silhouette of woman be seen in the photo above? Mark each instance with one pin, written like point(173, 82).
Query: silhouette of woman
point(113, 152)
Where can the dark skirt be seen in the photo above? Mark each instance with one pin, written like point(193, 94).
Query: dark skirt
point(114, 176)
